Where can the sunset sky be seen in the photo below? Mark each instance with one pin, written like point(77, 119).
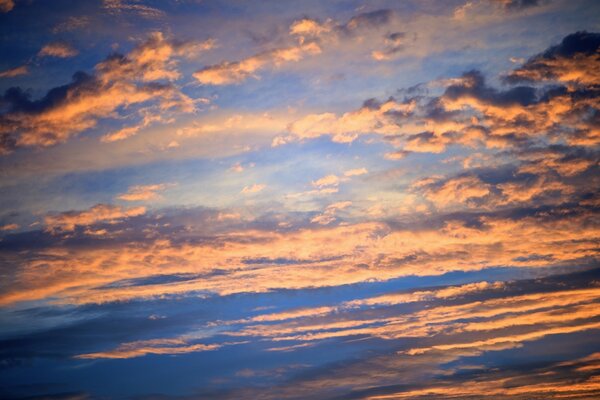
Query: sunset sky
point(343, 199)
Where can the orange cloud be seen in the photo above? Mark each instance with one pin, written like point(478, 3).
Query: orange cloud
point(60, 50)
point(67, 221)
point(6, 5)
point(119, 82)
point(228, 73)
point(329, 180)
point(16, 71)
point(253, 188)
point(153, 346)
point(9, 227)
point(356, 172)
point(143, 192)
point(322, 256)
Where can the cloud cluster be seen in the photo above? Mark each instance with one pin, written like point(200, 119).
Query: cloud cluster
point(308, 36)
point(471, 113)
point(227, 73)
point(325, 253)
point(120, 82)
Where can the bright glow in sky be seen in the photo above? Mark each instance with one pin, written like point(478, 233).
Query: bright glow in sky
point(346, 199)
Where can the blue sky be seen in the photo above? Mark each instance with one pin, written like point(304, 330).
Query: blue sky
point(299, 200)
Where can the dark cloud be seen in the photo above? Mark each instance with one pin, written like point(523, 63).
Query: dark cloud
point(473, 84)
point(514, 5)
point(19, 101)
point(372, 19)
point(577, 43)
point(576, 59)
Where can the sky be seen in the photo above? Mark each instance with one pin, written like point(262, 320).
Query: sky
point(342, 199)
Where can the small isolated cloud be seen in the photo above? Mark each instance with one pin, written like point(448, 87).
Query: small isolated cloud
point(253, 188)
point(329, 215)
point(143, 192)
point(60, 50)
point(9, 227)
point(356, 172)
point(71, 24)
point(123, 6)
point(118, 86)
point(329, 180)
point(237, 167)
point(12, 72)
point(396, 155)
point(152, 346)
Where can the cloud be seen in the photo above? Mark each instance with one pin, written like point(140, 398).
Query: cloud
point(544, 311)
point(309, 35)
point(125, 6)
point(471, 113)
point(152, 346)
point(67, 221)
point(346, 128)
point(315, 256)
point(329, 180)
point(148, 118)
point(371, 19)
point(498, 341)
point(60, 50)
point(574, 60)
point(394, 44)
point(517, 4)
point(71, 24)
point(426, 295)
point(237, 167)
point(255, 188)
point(9, 227)
point(6, 5)
point(396, 155)
point(143, 192)
point(227, 73)
point(119, 83)
point(539, 177)
point(329, 215)
point(16, 71)
point(310, 27)
point(464, 190)
point(536, 315)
